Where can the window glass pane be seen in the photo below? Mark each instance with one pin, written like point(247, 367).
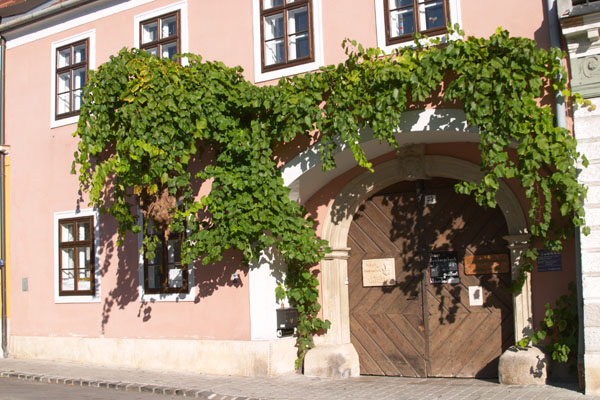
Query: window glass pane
point(149, 32)
point(83, 258)
point(273, 26)
point(400, 3)
point(432, 15)
point(175, 277)
point(64, 103)
point(154, 278)
point(271, 3)
point(79, 78)
point(174, 251)
point(68, 279)
point(168, 27)
point(274, 52)
point(297, 20)
point(83, 230)
point(79, 53)
point(84, 281)
point(63, 58)
point(402, 22)
point(157, 255)
point(77, 100)
point(64, 82)
point(153, 51)
point(67, 258)
point(67, 232)
point(298, 46)
point(169, 50)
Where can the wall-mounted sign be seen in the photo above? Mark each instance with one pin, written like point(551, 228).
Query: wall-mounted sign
point(379, 272)
point(487, 264)
point(475, 296)
point(430, 199)
point(549, 261)
point(443, 267)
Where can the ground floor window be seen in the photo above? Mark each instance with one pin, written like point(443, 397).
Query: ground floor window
point(164, 273)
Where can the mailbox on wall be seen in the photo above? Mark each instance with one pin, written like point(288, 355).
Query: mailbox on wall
point(287, 321)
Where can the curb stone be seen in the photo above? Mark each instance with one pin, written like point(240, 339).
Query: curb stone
point(122, 386)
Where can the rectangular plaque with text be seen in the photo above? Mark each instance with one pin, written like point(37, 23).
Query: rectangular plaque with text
point(548, 261)
point(379, 272)
point(487, 264)
point(443, 267)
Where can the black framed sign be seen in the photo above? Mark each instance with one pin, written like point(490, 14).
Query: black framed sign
point(443, 267)
point(548, 261)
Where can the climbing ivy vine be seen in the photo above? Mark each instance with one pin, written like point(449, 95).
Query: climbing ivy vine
point(152, 131)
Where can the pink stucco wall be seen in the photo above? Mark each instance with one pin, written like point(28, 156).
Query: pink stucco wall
point(41, 160)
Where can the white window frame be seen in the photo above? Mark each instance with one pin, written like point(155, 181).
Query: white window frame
point(91, 37)
point(77, 214)
point(260, 76)
point(455, 18)
point(153, 297)
point(180, 6)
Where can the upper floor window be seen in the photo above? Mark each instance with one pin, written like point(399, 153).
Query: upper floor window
point(71, 74)
point(404, 18)
point(165, 273)
point(76, 256)
point(161, 35)
point(286, 33)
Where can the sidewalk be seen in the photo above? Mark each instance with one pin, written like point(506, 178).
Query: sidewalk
point(295, 387)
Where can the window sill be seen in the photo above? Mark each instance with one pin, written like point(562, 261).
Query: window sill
point(55, 123)
point(76, 299)
point(172, 297)
point(260, 76)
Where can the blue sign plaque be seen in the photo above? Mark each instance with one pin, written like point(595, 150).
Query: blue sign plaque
point(549, 261)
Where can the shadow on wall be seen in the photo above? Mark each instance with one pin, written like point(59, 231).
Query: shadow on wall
point(123, 261)
point(388, 225)
point(207, 279)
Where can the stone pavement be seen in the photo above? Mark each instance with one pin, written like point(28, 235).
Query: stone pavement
point(287, 387)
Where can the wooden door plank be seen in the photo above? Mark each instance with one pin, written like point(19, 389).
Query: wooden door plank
point(411, 361)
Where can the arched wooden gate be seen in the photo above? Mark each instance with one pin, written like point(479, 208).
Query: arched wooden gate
point(401, 323)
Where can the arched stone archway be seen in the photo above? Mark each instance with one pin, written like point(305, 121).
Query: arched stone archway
point(334, 355)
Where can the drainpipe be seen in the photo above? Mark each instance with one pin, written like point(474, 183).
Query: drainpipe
point(2, 202)
point(561, 122)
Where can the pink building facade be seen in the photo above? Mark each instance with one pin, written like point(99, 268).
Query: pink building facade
point(73, 294)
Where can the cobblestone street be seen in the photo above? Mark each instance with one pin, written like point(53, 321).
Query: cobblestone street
point(296, 387)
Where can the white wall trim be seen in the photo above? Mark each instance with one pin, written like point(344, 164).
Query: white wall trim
point(265, 275)
point(259, 76)
point(180, 6)
point(75, 214)
point(455, 18)
point(82, 16)
point(91, 36)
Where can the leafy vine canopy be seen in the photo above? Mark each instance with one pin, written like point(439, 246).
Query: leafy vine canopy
point(149, 127)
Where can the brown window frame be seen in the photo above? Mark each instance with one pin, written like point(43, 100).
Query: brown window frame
point(70, 68)
point(285, 8)
point(409, 36)
point(74, 245)
point(164, 267)
point(158, 43)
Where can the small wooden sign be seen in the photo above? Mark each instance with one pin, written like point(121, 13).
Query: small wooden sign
point(379, 272)
point(487, 264)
